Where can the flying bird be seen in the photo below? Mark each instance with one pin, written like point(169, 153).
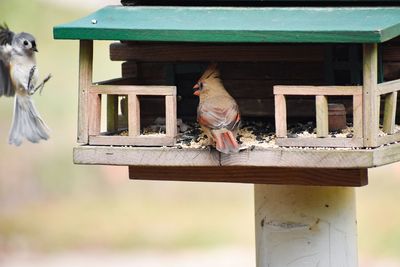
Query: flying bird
point(18, 77)
point(217, 112)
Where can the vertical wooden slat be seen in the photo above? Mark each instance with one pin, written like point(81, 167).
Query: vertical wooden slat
point(94, 114)
point(280, 116)
point(389, 116)
point(370, 103)
point(133, 115)
point(321, 109)
point(170, 116)
point(378, 112)
point(85, 80)
point(357, 116)
point(112, 113)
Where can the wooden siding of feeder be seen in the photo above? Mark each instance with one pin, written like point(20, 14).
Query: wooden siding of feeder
point(238, 75)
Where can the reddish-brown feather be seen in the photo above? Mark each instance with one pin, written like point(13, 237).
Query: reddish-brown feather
point(217, 113)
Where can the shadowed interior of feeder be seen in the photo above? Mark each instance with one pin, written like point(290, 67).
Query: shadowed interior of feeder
point(251, 84)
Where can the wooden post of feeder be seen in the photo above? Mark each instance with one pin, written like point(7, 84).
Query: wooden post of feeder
point(305, 226)
point(85, 81)
point(371, 98)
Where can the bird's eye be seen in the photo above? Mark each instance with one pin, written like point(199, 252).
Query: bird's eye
point(25, 42)
point(200, 85)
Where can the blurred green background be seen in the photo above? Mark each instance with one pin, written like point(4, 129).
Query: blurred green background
point(48, 206)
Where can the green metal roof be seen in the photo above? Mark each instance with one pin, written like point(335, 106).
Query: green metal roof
point(237, 24)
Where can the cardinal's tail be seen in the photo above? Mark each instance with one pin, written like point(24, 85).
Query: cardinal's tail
point(26, 122)
point(226, 142)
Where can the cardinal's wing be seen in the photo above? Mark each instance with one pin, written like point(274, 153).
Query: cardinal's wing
point(224, 114)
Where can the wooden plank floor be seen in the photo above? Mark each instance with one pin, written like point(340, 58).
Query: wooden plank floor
point(258, 157)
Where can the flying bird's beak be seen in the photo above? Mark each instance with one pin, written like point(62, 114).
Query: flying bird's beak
point(197, 91)
point(34, 48)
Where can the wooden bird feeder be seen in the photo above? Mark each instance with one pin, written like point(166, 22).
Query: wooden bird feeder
point(283, 65)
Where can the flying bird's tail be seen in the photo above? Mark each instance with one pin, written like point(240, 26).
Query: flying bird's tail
point(225, 141)
point(26, 122)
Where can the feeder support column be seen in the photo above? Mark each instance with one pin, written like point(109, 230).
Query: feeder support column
point(305, 226)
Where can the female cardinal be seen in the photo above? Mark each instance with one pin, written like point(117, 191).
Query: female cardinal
point(217, 113)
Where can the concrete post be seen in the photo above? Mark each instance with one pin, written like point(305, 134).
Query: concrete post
point(305, 226)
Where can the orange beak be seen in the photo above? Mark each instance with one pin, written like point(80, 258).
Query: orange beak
point(197, 92)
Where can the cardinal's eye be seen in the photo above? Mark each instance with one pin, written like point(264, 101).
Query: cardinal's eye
point(201, 86)
point(26, 42)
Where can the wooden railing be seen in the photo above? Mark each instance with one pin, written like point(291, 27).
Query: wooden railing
point(321, 107)
point(132, 92)
point(89, 109)
point(389, 90)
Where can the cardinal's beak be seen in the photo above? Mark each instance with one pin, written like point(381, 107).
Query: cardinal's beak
point(197, 91)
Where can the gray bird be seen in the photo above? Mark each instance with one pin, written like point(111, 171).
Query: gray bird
point(18, 77)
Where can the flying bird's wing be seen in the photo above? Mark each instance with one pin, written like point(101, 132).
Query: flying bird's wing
point(6, 87)
point(6, 36)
